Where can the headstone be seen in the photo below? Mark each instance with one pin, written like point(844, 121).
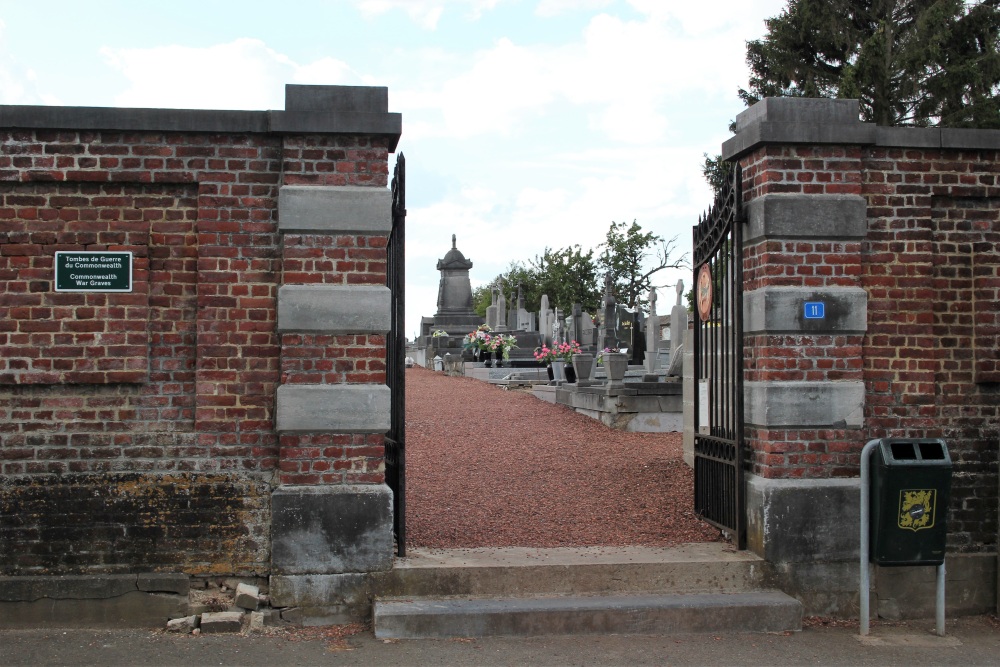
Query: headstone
point(557, 327)
point(637, 351)
point(588, 332)
point(624, 324)
point(678, 322)
point(525, 321)
point(652, 335)
point(492, 317)
point(607, 337)
point(501, 311)
point(544, 323)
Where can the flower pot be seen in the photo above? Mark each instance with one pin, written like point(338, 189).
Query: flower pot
point(583, 364)
point(570, 374)
point(548, 369)
point(498, 362)
point(558, 370)
point(616, 363)
point(486, 357)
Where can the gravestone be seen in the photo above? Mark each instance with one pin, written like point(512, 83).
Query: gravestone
point(525, 320)
point(607, 338)
point(545, 319)
point(492, 317)
point(624, 328)
point(678, 321)
point(652, 335)
point(557, 327)
point(588, 332)
point(678, 326)
point(501, 311)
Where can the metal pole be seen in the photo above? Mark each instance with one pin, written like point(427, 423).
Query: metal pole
point(939, 600)
point(865, 534)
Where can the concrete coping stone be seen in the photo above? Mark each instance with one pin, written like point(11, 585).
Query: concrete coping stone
point(785, 120)
point(88, 587)
point(311, 110)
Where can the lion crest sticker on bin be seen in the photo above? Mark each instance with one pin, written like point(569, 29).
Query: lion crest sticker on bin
point(917, 509)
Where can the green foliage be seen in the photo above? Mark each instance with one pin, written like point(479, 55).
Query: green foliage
point(909, 62)
point(572, 275)
point(507, 282)
point(716, 171)
point(626, 256)
point(568, 276)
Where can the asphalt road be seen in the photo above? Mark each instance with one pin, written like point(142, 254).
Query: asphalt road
point(971, 641)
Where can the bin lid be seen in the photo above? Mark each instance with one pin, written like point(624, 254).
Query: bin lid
point(915, 452)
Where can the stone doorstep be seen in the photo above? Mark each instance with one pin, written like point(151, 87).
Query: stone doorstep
point(758, 611)
point(523, 572)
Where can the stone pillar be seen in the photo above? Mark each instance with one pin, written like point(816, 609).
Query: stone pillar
point(332, 513)
point(805, 315)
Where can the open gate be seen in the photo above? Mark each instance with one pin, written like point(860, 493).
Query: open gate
point(719, 445)
point(395, 358)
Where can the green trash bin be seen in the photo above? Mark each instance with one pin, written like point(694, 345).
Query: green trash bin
point(910, 490)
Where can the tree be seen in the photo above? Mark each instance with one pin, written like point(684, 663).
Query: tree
point(516, 274)
point(625, 256)
point(568, 276)
point(909, 62)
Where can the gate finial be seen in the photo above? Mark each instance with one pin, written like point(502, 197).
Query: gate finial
point(453, 246)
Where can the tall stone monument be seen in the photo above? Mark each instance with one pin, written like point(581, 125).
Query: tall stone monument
point(454, 303)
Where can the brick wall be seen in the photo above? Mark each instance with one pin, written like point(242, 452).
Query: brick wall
point(930, 354)
point(137, 430)
point(927, 260)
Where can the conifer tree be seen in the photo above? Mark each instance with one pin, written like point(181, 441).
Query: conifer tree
point(909, 62)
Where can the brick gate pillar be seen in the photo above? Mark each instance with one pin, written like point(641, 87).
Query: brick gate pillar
point(805, 314)
point(332, 513)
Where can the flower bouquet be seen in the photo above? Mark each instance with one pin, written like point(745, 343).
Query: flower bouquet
point(502, 344)
point(558, 352)
point(479, 340)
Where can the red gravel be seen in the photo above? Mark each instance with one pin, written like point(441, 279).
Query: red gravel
point(492, 468)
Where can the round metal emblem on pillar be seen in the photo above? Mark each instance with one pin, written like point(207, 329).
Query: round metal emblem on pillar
point(703, 292)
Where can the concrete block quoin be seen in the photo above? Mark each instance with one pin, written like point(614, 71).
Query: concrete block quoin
point(331, 529)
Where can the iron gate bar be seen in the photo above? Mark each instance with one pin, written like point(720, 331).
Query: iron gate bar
point(395, 358)
point(718, 359)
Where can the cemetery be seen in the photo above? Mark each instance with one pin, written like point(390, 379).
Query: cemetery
point(225, 402)
point(626, 372)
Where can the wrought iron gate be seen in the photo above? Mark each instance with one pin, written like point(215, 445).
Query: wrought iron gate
point(395, 358)
point(719, 446)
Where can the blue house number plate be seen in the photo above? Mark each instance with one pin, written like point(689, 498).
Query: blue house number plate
point(815, 310)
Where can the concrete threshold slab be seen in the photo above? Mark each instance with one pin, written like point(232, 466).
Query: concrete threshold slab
point(759, 611)
point(525, 571)
point(708, 552)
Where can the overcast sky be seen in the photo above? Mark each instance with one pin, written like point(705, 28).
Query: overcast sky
point(526, 123)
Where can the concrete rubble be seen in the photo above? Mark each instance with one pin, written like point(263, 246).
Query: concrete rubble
point(222, 607)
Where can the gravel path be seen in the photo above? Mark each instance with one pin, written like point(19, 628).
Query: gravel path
point(492, 468)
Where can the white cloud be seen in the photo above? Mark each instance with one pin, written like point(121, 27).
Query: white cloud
point(425, 13)
point(707, 16)
point(548, 8)
point(244, 73)
point(620, 73)
point(18, 82)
